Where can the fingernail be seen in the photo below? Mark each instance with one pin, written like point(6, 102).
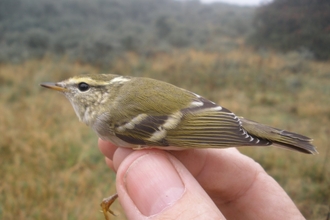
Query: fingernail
point(153, 183)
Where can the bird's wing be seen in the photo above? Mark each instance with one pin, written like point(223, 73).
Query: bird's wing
point(202, 124)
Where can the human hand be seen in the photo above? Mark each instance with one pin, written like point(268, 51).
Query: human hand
point(195, 184)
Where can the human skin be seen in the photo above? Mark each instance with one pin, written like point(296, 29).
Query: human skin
point(195, 184)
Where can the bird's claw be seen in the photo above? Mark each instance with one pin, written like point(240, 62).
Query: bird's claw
point(106, 204)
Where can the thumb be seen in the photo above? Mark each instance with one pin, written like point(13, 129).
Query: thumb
point(152, 184)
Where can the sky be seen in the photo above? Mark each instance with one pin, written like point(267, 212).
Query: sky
point(237, 2)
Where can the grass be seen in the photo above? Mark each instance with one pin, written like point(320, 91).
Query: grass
point(52, 169)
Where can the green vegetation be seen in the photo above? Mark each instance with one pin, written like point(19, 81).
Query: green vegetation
point(294, 25)
point(97, 31)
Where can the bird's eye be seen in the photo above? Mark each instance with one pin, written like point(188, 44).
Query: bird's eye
point(83, 86)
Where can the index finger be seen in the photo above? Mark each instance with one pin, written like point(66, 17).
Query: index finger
point(238, 185)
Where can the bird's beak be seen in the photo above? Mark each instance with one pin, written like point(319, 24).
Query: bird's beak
point(54, 86)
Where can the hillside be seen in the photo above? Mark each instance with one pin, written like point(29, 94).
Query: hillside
point(97, 31)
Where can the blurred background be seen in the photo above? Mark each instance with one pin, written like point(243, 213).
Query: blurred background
point(268, 61)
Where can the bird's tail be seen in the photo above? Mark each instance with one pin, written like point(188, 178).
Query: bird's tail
point(279, 138)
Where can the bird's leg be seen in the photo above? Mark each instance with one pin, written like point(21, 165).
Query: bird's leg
point(106, 203)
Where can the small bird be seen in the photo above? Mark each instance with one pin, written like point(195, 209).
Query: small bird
point(138, 113)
